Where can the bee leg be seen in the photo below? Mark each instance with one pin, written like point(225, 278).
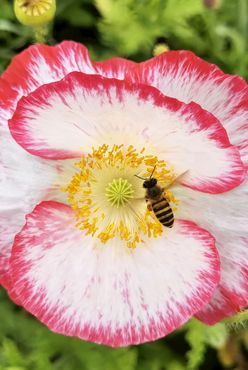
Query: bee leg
point(164, 191)
point(175, 181)
point(149, 206)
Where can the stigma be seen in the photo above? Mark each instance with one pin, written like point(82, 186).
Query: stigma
point(119, 192)
point(108, 197)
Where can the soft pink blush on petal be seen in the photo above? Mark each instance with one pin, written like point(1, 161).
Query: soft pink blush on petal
point(110, 294)
point(22, 180)
point(184, 76)
point(83, 108)
point(225, 216)
point(178, 74)
point(115, 68)
point(42, 64)
point(35, 66)
point(225, 302)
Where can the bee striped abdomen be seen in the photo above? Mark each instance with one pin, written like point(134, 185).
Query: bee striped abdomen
point(163, 212)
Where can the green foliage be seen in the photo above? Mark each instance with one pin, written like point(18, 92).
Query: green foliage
point(218, 35)
point(141, 23)
point(13, 36)
point(238, 322)
point(133, 28)
point(158, 356)
point(199, 337)
point(196, 339)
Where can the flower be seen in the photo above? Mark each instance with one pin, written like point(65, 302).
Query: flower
point(35, 12)
point(80, 249)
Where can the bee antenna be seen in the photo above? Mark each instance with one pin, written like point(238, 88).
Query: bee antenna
point(153, 171)
point(142, 178)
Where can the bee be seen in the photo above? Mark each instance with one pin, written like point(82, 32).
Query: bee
point(157, 202)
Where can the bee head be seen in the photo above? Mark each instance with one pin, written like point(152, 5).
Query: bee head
point(150, 183)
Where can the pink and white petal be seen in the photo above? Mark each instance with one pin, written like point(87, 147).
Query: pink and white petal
point(118, 68)
point(231, 296)
point(89, 110)
point(110, 294)
point(23, 186)
point(22, 180)
point(226, 217)
point(42, 64)
point(184, 76)
point(194, 140)
point(8, 99)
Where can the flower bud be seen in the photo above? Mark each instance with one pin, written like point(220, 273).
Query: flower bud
point(34, 13)
point(160, 48)
point(211, 4)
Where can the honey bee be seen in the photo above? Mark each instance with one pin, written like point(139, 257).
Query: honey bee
point(156, 200)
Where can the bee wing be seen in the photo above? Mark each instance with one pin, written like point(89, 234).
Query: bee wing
point(141, 198)
point(175, 180)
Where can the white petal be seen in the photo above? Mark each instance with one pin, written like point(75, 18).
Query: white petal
point(109, 293)
point(226, 217)
point(84, 108)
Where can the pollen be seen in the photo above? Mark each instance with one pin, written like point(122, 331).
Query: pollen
point(108, 197)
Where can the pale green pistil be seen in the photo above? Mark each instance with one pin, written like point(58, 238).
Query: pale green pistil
point(119, 192)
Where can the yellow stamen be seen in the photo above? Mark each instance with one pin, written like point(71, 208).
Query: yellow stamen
point(109, 199)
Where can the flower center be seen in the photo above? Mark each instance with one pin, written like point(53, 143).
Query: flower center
point(119, 192)
point(109, 200)
point(34, 7)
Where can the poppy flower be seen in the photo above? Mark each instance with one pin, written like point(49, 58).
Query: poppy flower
point(83, 248)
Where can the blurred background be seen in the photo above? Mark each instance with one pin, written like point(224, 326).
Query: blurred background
point(216, 30)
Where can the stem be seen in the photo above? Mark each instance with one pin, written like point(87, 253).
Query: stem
point(242, 18)
point(238, 319)
point(41, 33)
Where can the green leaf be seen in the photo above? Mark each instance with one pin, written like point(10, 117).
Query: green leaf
point(237, 322)
point(11, 354)
point(8, 26)
point(216, 335)
point(195, 336)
